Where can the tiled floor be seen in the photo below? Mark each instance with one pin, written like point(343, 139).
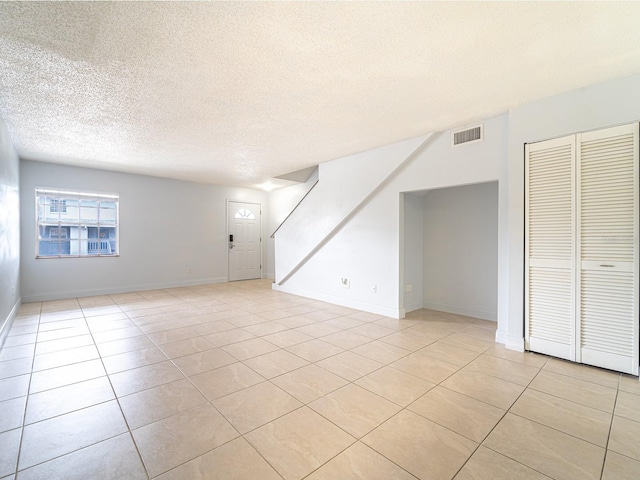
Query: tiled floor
point(237, 381)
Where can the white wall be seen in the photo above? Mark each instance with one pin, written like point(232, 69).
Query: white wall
point(9, 233)
point(413, 252)
point(368, 249)
point(166, 228)
point(281, 204)
point(344, 183)
point(461, 250)
point(593, 107)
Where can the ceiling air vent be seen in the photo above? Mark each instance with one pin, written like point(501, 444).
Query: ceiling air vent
point(468, 135)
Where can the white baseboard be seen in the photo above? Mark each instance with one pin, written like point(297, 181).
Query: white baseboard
point(410, 307)
point(5, 326)
point(515, 343)
point(460, 310)
point(343, 302)
point(90, 292)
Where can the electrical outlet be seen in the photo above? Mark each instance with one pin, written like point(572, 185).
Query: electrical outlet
point(408, 288)
point(13, 291)
point(375, 288)
point(345, 282)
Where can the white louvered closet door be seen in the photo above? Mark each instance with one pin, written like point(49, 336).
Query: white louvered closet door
point(550, 245)
point(607, 248)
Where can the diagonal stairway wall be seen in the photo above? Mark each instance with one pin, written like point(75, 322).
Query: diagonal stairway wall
point(344, 186)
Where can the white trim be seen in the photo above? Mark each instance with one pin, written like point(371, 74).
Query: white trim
point(109, 291)
point(344, 302)
point(514, 343)
point(8, 321)
point(410, 307)
point(461, 310)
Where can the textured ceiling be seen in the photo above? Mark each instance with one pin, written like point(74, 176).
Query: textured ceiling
point(239, 92)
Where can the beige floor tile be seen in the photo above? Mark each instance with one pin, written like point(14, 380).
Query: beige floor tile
point(254, 406)
point(138, 379)
point(317, 330)
point(275, 363)
point(513, 372)
point(186, 347)
point(170, 442)
point(64, 344)
point(373, 331)
point(349, 365)
point(354, 409)
point(161, 326)
point(468, 342)
point(64, 357)
point(347, 339)
point(58, 401)
point(228, 337)
point(309, 383)
point(426, 367)
point(628, 406)
point(249, 348)
point(546, 450)
point(619, 467)
point(360, 462)
point(299, 442)
point(587, 373)
point(203, 361)
point(57, 436)
point(344, 322)
point(395, 385)
point(420, 446)
point(578, 420)
point(407, 341)
point(137, 358)
point(61, 325)
point(11, 353)
point(225, 380)
point(287, 338)
point(117, 334)
point(12, 413)
point(16, 367)
point(236, 460)
point(578, 391)
point(315, 350)
point(210, 328)
point(9, 447)
point(379, 351)
point(486, 464)
point(265, 328)
point(14, 387)
point(62, 333)
point(526, 358)
point(450, 353)
point(629, 384)
point(174, 335)
point(295, 321)
point(125, 345)
point(20, 340)
point(160, 402)
point(112, 459)
point(61, 376)
point(624, 437)
point(491, 390)
point(464, 415)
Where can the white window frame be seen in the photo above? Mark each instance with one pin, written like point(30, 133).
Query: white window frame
point(61, 197)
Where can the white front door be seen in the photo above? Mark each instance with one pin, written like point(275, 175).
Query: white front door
point(244, 242)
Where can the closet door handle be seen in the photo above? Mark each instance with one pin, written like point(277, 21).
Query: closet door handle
point(608, 266)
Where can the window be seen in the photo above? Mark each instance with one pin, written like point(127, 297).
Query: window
point(76, 224)
point(57, 205)
point(245, 213)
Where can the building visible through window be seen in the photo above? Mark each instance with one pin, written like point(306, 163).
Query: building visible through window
point(76, 224)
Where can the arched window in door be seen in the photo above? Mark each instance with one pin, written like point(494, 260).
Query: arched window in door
point(245, 213)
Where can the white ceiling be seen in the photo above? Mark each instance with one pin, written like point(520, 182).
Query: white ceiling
point(238, 92)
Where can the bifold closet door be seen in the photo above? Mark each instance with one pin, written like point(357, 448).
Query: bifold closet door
point(549, 247)
point(607, 248)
